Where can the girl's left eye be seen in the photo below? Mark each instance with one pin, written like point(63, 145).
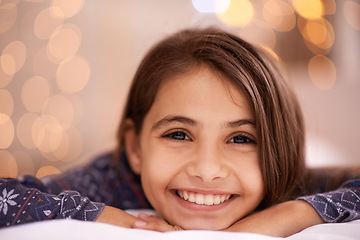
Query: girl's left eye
point(240, 139)
point(178, 135)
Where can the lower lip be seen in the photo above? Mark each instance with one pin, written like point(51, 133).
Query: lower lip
point(198, 207)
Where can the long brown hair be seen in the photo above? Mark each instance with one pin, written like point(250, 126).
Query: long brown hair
point(279, 121)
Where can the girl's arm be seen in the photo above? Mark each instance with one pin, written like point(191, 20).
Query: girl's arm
point(340, 205)
point(285, 219)
point(74, 194)
point(117, 217)
point(281, 220)
point(19, 204)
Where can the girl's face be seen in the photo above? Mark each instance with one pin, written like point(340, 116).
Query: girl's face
point(197, 152)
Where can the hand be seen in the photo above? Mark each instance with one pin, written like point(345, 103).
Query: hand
point(281, 220)
point(116, 217)
point(148, 222)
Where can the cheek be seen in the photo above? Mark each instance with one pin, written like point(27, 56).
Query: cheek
point(248, 171)
point(156, 174)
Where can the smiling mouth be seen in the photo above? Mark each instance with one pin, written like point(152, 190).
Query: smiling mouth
point(203, 199)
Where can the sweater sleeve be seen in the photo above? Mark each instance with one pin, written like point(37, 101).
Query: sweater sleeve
point(19, 204)
point(341, 205)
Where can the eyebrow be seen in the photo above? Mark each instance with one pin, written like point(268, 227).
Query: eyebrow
point(239, 123)
point(174, 118)
point(188, 121)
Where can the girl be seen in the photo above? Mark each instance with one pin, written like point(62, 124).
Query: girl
point(211, 138)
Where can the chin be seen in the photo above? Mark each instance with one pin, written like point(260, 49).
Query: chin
point(203, 225)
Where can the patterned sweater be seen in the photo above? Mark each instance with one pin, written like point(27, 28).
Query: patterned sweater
point(83, 192)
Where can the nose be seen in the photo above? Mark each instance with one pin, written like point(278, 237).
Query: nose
point(207, 164)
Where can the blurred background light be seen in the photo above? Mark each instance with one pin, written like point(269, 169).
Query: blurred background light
point(47, 170)
point(45, 24)
point(279, 15)
point(211, 6)
point(238, 14)
point(7, 131)
point(42, 66)
point(24, 130)
point(66, 8)
point(64, 42)
point(5, 78)
point(61, 108)
point(322, 72)
point(35, 93)
point(13, 57)
point(6, 102)
point(9, 166)
point(73, 74)
point(309, 9)
point(352, 13)
point(46, 133)
point(66, 66)
point(8, 15)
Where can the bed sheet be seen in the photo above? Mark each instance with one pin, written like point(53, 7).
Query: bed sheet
point(73, 229)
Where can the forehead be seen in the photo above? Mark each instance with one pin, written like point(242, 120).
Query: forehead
point(201, 89)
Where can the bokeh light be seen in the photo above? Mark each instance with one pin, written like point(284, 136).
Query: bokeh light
point(352, 14)
point(35, 93)
point(7, 131)
point(279, 15)
point(61, 108)
point(329, 7)
point(24, 130)
point(45, 24)
point(73, 74)
point(239, 13)
point(5, 78)
point(77, 107)
point(259, 33)
point(322, 72)
point(70, 147)
point(309, 9)
point(47, 133)
point(13, 57)
point(42, 66)
point(211, 6)
point(46, 171)
point(66, 8)
point(6, 102)
point(9, 167)
point(318, 33)
point(63, 43)
point(8, 15)
point(25, 164)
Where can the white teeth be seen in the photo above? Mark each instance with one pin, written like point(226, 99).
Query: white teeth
point(192, 198)
point(202, 199)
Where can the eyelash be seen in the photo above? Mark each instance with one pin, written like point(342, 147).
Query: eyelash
point(185, 137)
point(246, 138)
point(171, 135)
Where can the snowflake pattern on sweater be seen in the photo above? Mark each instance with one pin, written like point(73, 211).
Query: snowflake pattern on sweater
point(82, 193)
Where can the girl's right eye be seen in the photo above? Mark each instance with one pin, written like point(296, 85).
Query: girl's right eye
point(178, 136)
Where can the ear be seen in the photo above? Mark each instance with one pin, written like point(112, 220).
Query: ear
point(132, 146)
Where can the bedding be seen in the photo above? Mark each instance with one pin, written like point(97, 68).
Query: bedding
point(74, 229)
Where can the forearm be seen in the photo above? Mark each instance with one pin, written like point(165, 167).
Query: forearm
point(23, 205)
point(281, 220)
point(117, 217)
point(341, 205)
